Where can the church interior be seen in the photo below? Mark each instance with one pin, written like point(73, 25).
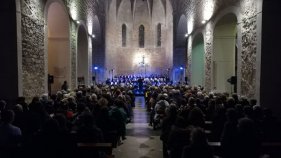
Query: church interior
point(140, 78)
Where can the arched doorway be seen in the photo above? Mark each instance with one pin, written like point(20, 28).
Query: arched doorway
point(197, 61)
point(98, 55)
point(225, 53)
point(180, 50)
point(58, 45)
point(82, 56)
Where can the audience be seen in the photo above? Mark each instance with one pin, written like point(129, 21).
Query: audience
point(10, 135)
point(100, 114)
point(198, 147)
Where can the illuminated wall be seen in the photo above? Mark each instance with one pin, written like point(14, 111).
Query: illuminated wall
point(198, 60)
point(202, 18)
point(131, 59)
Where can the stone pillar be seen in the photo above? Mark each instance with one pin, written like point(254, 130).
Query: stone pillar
point(208, 56)
point(33, 54)
point(249, 48)
point(73, 47)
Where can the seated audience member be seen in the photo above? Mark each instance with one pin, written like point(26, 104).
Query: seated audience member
point(88, 131)
point(248, 142)
point(2, 105)
point(229, 135)
point(198, 147)
point(196, 117)
point(160, 107)
point(167, 124)
point(22, 102)
point(107, 125)
point(118, 113)
point(179, 137)
point(270, 126)
point(9, 134)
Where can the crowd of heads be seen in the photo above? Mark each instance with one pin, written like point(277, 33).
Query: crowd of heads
point(96, 114)
point(93, 114)
point(237, 122)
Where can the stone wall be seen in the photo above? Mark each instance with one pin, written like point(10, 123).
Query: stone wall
point(208, 56)
point(249, 47)
point(33, 55)
point(73, 47)
point(126, 60)
point(33, 44)
point(246, 12)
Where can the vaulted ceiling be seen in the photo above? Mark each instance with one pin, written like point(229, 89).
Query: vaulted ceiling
point(195, 11)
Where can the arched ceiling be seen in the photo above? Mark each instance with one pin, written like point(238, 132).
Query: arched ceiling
point(195, 10)
point(88, 11)
point(150, 4)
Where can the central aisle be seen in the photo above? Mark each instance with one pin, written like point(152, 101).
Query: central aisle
point(142, 141)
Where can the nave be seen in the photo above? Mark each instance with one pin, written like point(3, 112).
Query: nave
point(142, 141)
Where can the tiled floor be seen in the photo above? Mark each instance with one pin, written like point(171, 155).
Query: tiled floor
point(142, 141)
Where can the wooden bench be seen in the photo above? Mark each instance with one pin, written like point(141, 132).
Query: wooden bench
point(267, 148)
point(216, 146)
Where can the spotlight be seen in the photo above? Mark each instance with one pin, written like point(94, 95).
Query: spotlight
point(96, 68)
point(77, 21)
point(181, 68)
point(204, 21)
point(186, 35)
point(93, 36)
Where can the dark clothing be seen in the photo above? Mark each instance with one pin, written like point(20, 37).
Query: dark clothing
point(229, 140)
point(166, 129)
point(178, 138)
point(64, 86)
point(9, 135)
point(197, 152)
point(90, 134)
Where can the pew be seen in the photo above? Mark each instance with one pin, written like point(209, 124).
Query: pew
point(273, 149)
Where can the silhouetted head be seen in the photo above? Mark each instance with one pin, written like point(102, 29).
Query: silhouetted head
point(198, 137)
point(7, 116)
point(2, 105)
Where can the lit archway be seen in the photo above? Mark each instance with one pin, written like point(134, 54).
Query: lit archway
point(98, 52)
point(225, 53)
point(82, 56)
point(197, 61)
point(58, 45)
point(180, 49)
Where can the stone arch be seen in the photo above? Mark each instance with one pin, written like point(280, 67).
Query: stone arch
point(198, 60)
point(180, 47)
point(224, 62)
point(141, 6)
point(57, 41)
point(125, 11)
point(181, 31)
point(97, 31)
point(226, 11)
point(125, 16)
point(98, 52)
point(158, 10)
point(158, 18)
point(82, 56)
point(141, 13)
